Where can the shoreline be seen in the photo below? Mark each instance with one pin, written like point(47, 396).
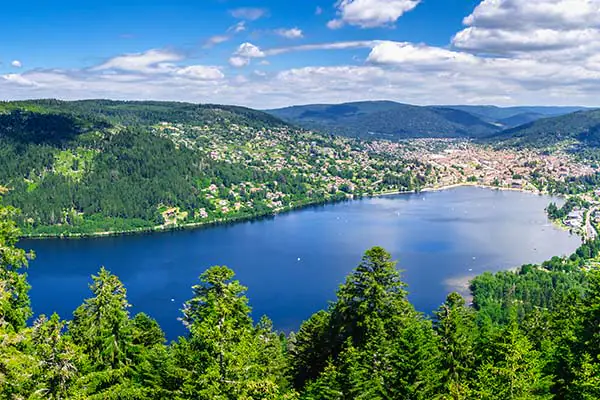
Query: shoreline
point(227, 221)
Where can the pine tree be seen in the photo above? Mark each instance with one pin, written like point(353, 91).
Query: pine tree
point(310, 349)
point(57, 357)
point(15, 310)
point(101, 328)
point(224, 349)
point(101, 325)
point(511, 369)
point(376, 338)
point(146, 331)
point(585, 369)
point(456, 329)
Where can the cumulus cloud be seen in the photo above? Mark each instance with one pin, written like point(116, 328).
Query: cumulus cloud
point(293, 33)
point(244, 53)
point(559, 28)
point(397, 53)
point(16, 64)
point(248, 50)
point(539, 14)
point(370, 13)
point(200, 72)
point(249, 13)
point(542, 59)
point(410, 73)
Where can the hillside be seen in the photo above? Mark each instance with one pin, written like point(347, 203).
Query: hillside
point(387, 120)
point(92, 167)
point(582, 128)
point(390, 120)
point(510, 117)
point(146, 112)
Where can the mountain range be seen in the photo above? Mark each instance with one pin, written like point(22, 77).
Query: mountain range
point(582, 128)
point(391, 120)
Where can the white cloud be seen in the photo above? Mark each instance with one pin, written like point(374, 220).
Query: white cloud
point(248, 50)
point(411, 73)
point(18, 79)
point(16, 64)
point(370, 13)
point(217, 39)
point(519, 14)
point(556, 28)
point(249, 13)
point(238, 62)
point(293, 33)
point(335, 24)
point(231, 32)
point(244, 53)
point(200, 72)
point(318, 11)
point(237, 28)
point(359, 44)
point(549, 57)
point(154, 60)
point(396, 53)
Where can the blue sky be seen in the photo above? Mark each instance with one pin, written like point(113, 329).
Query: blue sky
point(270, 53)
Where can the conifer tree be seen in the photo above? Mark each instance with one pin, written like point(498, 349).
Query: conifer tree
point(57, 358)
point(511, 369)
point(101, 328)
point(224, 350)
point(455, 326)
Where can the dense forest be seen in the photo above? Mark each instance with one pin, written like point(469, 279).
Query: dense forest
point(102, 166)
point(396, 121)
point(387, 120)
point(580, 129)
point(531, 334)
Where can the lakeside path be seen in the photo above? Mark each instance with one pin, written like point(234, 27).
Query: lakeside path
point(199, 225)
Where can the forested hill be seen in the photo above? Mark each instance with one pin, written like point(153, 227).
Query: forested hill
point(511, 117)
point(145, 112)
point(580, 128)
point(97, 166)
point(388, 120)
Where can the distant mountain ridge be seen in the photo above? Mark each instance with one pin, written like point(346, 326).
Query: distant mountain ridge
point(391, 120)
point(582, 128)
point(510, 117)
point(386, 119)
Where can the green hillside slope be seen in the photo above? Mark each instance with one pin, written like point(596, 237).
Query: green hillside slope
point(100, 166)
point(582, 128)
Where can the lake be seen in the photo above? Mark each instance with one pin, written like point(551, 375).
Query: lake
point(293, 263)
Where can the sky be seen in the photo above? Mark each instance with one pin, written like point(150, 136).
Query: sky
point(276, 53)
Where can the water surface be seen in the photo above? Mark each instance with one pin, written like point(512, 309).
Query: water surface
point(294, 262)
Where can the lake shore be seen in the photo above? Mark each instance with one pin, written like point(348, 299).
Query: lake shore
point(226, 221)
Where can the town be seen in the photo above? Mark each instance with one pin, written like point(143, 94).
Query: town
point(298, 168)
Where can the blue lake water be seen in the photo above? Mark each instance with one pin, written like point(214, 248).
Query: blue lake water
point(293, 263)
